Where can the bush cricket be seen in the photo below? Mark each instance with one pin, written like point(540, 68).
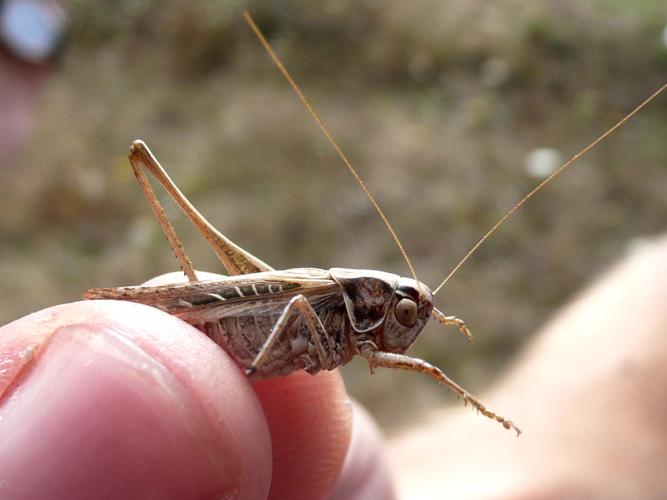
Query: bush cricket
point(275, 322)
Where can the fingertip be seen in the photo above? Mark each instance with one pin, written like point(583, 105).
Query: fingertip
point(366, 472)
point(310, 420)
point(124, 399)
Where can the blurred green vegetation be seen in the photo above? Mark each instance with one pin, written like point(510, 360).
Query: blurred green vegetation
point(436, 103)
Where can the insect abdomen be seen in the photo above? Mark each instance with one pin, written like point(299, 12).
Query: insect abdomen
point(243, 336)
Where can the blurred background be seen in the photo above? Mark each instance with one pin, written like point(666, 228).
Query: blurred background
point(449, 110)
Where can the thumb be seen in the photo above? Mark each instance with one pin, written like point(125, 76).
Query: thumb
point(111, 399)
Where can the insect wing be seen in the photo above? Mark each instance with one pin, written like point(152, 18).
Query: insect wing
point(228, 296)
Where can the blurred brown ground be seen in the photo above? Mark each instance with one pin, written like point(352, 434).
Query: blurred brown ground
point(437, 104)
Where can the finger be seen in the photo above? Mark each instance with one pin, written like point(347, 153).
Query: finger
point(366, 472)
point(588, 393)
point(113, 399)
point(310, 422)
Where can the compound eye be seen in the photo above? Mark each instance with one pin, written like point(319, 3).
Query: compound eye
point(406, 312)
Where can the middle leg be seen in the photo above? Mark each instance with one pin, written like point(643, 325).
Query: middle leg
point(300, 306)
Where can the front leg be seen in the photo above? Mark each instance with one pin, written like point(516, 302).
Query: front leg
point(298, 305)
point(401, 361)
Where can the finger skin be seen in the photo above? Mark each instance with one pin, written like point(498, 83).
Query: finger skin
point(310, 421)
point(366, 472)
point(108, 399)
point(589, 394)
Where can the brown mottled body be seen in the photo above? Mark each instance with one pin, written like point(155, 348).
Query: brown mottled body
point(243, 331)
point(239, 313)
point(242, 336)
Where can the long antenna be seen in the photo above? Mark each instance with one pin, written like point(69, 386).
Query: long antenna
point(328, 135)
point(537, 188)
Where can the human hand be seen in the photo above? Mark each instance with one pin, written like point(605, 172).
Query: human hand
point(114, 399)
point(589, 394)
